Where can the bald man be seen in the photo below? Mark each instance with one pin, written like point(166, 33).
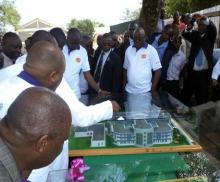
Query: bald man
point(40, 35)
point(140, 60)
point(33, 132)
point(45, 67)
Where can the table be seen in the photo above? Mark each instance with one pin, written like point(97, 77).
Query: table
point(149, 167)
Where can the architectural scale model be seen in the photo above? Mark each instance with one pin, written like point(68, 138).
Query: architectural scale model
point(135, 132)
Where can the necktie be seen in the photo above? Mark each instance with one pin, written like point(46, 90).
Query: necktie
point(199, 58)
point(163, 24)
point(99, 68)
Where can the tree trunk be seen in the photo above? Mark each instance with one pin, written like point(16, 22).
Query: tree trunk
point(149, 15)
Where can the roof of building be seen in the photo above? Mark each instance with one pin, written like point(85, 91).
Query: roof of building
point(124, 127)
point(98, 131)
point(163, 126)
point(142, 124)
point(81, 129)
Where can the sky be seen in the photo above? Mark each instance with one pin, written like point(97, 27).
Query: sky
point(60, 12)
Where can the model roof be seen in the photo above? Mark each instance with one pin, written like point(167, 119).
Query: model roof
point(98, 131)
point(142, 124)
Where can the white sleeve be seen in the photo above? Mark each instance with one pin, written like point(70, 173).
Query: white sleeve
point(85, 61)
point(216, 71)
point(125, 66)
point(84, 115)
point(154, 59)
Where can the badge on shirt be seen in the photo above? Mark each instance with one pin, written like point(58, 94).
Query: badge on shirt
point(78, 60)
point(143, 56)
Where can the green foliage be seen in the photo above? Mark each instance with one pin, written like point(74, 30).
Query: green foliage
point(188, 6)
point(85, 26)
point(8, 15)
point(129, 15)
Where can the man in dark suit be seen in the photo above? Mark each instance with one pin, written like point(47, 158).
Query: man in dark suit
point(199, 66)
point(108, 72)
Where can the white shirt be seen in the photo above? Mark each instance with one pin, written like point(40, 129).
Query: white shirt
point(21, 59)
point(10, 71)
point(7, 61)
point(83, 84)
point(216, 55)
point(131, 41)
point(139, 65)
point(176, 65)
point(105, 56)
point(160, 25)
point(81, 116)
point(76, 61)
point(204, 62)
point(216, 70)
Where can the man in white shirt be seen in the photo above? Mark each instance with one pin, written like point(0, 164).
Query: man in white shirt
point(76, 61)
point(216, 81)
point(140, 60)
point(176, 65)
point(11, 48)
point(45, 66)
point(161, 23)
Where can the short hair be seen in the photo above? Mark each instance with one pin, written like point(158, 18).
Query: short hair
point(42, 35)
point(107, 35)
point(59, 36)
point(9, 36)
point(72, 32)
point(37, 111)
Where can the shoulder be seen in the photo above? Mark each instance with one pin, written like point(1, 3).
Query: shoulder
point(113, 55)
point(151, 49)
point(82, 49)
point(4, 175)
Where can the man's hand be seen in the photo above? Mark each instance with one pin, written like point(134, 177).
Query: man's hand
point(214, 82)
point(115, 106)
point(103, 92)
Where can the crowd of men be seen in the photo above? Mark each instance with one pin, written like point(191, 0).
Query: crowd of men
point(42, 87)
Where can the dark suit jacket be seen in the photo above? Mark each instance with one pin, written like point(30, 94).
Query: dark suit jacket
point(111, 77)
point(206, 43)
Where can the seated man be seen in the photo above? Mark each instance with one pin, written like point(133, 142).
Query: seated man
point(32, 133)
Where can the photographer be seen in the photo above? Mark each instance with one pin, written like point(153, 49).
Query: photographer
point(199, 66)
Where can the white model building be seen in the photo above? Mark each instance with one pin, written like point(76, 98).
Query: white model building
point(136, 132)
point(96, 132)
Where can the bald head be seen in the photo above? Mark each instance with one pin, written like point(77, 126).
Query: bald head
point(43, 59)
point(139, 37)
point(36, 112)
point(42, 35)
point(35, 127)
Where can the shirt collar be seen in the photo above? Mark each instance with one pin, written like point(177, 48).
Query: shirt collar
point(70, 49)
point(29, 78)
point(106, 53)
point(145, 45)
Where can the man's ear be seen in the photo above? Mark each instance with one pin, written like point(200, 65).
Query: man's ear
point(42, 143)
point(53, 76)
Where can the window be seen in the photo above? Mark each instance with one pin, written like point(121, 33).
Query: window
point(139, 138)
point(150, 138)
